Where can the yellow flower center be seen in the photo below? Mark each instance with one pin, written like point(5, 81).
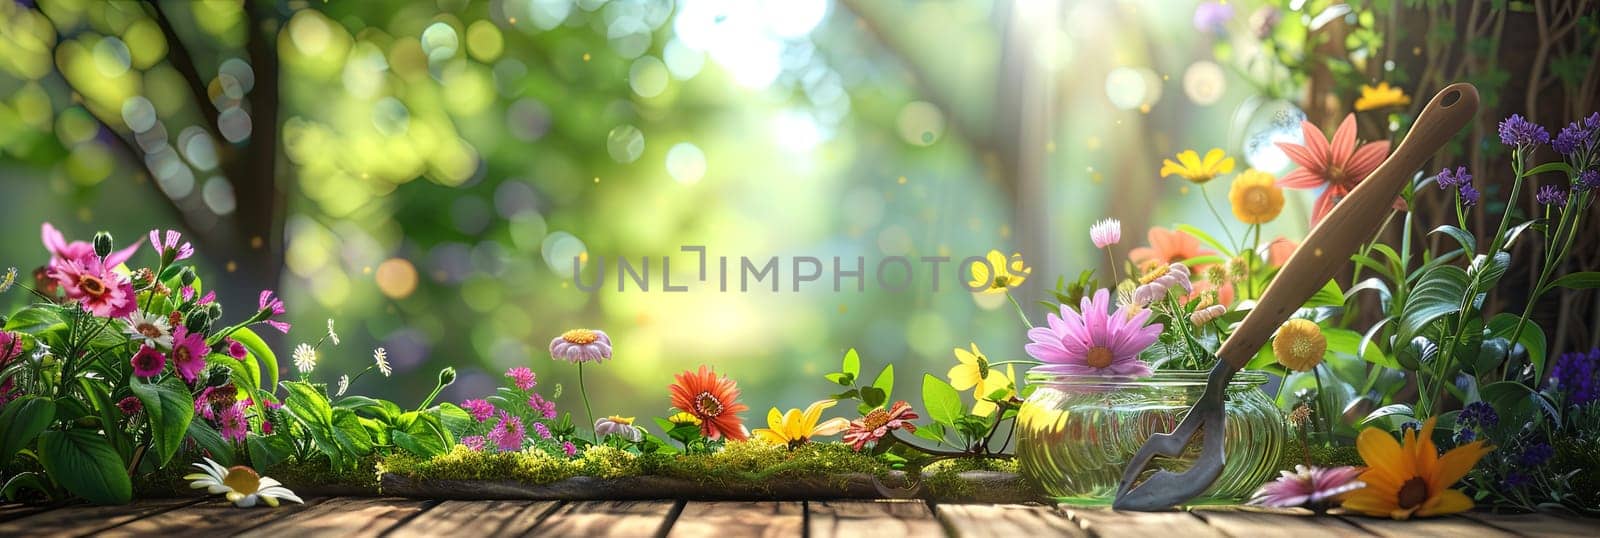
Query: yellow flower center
point(1257, 202)
point(1001, 281)
point(876, 419)
point(149, 330)
point(580, 336)
point(1099, 357)
point(620, 420)
point(707, 405)
point(242, 479)
point(92, 285)
point(1413, 493)
point(1155, 272)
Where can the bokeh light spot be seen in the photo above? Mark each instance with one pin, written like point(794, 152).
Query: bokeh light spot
point(686, 163)
point(396, 278)
point(1204, 82)
point(647, 76)
point(921, 123)
point(625, 143)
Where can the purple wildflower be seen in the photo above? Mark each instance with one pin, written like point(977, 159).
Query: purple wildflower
point(1478, 414)
point(1551, 195)
point(1518, 131)
point(473, 442)
point(508, 433)
point(1450, 180)
point(522, 377)
point(542, 430)
point(1576, 375)
point(479, 409)
point(1571, 139)
point(1536, 454)
point(1516, 480)
point(1469, 195)
point(1465, 435)
point(1309, 486)
point(1212, 17)
point(1589, 180)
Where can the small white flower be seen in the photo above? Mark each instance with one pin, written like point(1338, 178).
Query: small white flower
point(305, 358)
point(9, 279)
point(242, 486)
point(332, 336)
point(380, 357)
point(344, 385)
point(150, 329)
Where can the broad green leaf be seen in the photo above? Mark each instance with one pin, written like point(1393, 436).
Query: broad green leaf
point(350, 433)
point(266, 361)
point(1374, 284)
point(1554, 166)
point(840, 378)
point(267, 450)
point(35, 320)
point(1532, 338)
point(941, 400)
point(851, 364)
point(308, 402)
point(422, 435)
point(873, 397)
point(211, 442)
point(22, 422)
point(885, 381)
point(99, 399)
point(932, 432)
point(1438, 294)
point(81, 461)
point(1329, 295)
point(1485, 273)
point(170, 408)
point(1463, 238)
point(1577, 281)
point(455, 419)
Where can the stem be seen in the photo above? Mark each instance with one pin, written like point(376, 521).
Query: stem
point(1113, 264)
point(1216, 214)
point(585, 393)
point(1014, 303)
point(1569, 225)
point(1322, 407)
point(1249, 262)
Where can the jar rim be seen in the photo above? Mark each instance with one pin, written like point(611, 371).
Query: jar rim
point(1173, 378)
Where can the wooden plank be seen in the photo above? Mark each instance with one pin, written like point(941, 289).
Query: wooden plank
point(343, 518)
point(740, 520)
point(871, 518)
point(81, 520)
point(608, 518)
point(1108, 522)
point(476, 518)
point(1258, 521)
point(1442, 527)
point(10, 511)
point(1540, 524)
point(212, 517)
point(1006, 520)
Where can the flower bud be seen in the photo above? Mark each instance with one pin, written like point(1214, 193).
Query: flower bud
point(447, 376)
point(198, 321)
point(220, 375)
point(102, 244)
point(187, 276)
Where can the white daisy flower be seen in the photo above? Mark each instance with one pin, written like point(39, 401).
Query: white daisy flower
point(344, 385)
point(150, 329)
point(381, 358)
point(240, 484)
point(332, 336)
point(305, 358)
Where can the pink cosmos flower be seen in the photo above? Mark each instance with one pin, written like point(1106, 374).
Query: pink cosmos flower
point(272, 306)
point(1106, 233)
point(522, 377)
point(473, 442)
point(10, 348)
point(507, 435)
point(213, 401)
point(171, 245)
point(581, 345)
point(148, 362)
point(62, 251)
point(879, 423)
point(1094, 341)
point(1313, 487)
point(188, 353)
point(92, 284)
point(479, 409)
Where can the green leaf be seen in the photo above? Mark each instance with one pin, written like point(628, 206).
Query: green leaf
point(1463, 238)
point(35, 320)
point(1391, 412)
point(840, 378)
point(351, 435)
point(266, 361)
point(99, 398)
point(422, 435)
point(885, 381)
point(1578, 281)
point(1329, 295)
point(1532, 338)
point(873, 397)
point(170, 408)
point(941, 400)
point(932, 432)
point(1486, 274)
point(851, 364)
point(211, 442)
point(1438, 294)
point(84, 463)
point(267, 450)
point(308, 402)
point(1556, 166)
point(1206, 238)
point(455, 419)
point(22, 422)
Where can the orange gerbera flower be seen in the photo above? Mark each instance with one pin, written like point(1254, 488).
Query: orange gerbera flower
point(1167, 246)
point(1336, 163)
point(1411, 478)
point(711, 399)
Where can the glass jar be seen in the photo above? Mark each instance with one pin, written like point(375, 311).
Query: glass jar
point(1076, 433)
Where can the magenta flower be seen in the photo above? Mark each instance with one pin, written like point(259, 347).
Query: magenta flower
point(581, 345)
point(10, 346)
point(188, 353)
point(92, 284)
point(170, 247)
point(1094, 341)
point(1106, 233)
point(271, 306)
point(542, 430)
point(569, 448)
point(80, 251)
point(235, 349)
point(148, 362)
point(130, 406)
point(479, 409)
point(1312, 487)
point(545, 408)
point(232, 423)
point(473, 442)
point(507, 435)
point(522, 377)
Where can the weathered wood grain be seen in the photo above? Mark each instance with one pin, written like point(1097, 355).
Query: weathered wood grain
point(1006, 520)
point(740, 520)
point(475, 518)
point(871, 518)
point(10, 511)
point(1257, 521)
point(83, 520)
point(1540, 524)
point(608, 518)
point(1442, 527)
point(215, 517)
point(1107, 522)
point(343, 518)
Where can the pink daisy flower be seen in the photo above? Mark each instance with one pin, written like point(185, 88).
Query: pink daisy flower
point(233, 424)
point(569, 448)
point(1095, 341)
point(522, 377)
point(235, 349)
point(542, 430)
point(188, 353)
point(171, 246)
point(63, 251)
point(1313, 487)
point(877, 424)
point(581, 345)
point(545, 408)
point(130, 406)
point(92, 284)
point(148, 362)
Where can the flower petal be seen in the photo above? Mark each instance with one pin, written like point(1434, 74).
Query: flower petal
point(1446, 502)
point(1344, 142)
point(1382, 454)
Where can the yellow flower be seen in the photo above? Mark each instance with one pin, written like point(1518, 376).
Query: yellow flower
point(1382, 96)
point(795, 428)
point(1411, 479)
point(1300, 345)
point(684, 418)
point(1256, 197)
point(1007, 273)
point(974, 373)
point(1192, 168)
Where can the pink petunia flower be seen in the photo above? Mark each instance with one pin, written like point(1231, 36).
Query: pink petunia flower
point(1106, 233)
point(148, 362)
point(877, 424)
point(1312, 487)
point(80, 251)
point(479, 409)
point(188, 353)
point(171, 246)
point(271, 306)
point(522, 377)
point(542, 430)
point(1337, 163)
point(92, 284)
point(581, 345)
point(1094, 340)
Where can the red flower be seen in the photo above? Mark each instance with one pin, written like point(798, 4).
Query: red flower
point(711, 399)
point(879, 423)
point(1337, 164)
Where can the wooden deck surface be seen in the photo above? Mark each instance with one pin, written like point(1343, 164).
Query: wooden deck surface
point(352, 517)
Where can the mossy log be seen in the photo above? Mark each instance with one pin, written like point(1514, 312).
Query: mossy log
point(969, 486)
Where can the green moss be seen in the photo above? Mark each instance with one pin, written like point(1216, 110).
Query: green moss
point(462, 463)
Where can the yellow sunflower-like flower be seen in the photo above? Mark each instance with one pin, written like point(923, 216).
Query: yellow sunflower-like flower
point(1191, 167)
point(1256, 197)
point(684, 418)
point(1007, 273)
point(1300, 345)
point(1381, 96)
point(797, 427)
point(974, 373)
point(1411, 479)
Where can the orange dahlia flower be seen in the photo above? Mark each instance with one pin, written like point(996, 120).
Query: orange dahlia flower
point(713, 400)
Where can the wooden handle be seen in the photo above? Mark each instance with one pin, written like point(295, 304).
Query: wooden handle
point(1351, 223)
